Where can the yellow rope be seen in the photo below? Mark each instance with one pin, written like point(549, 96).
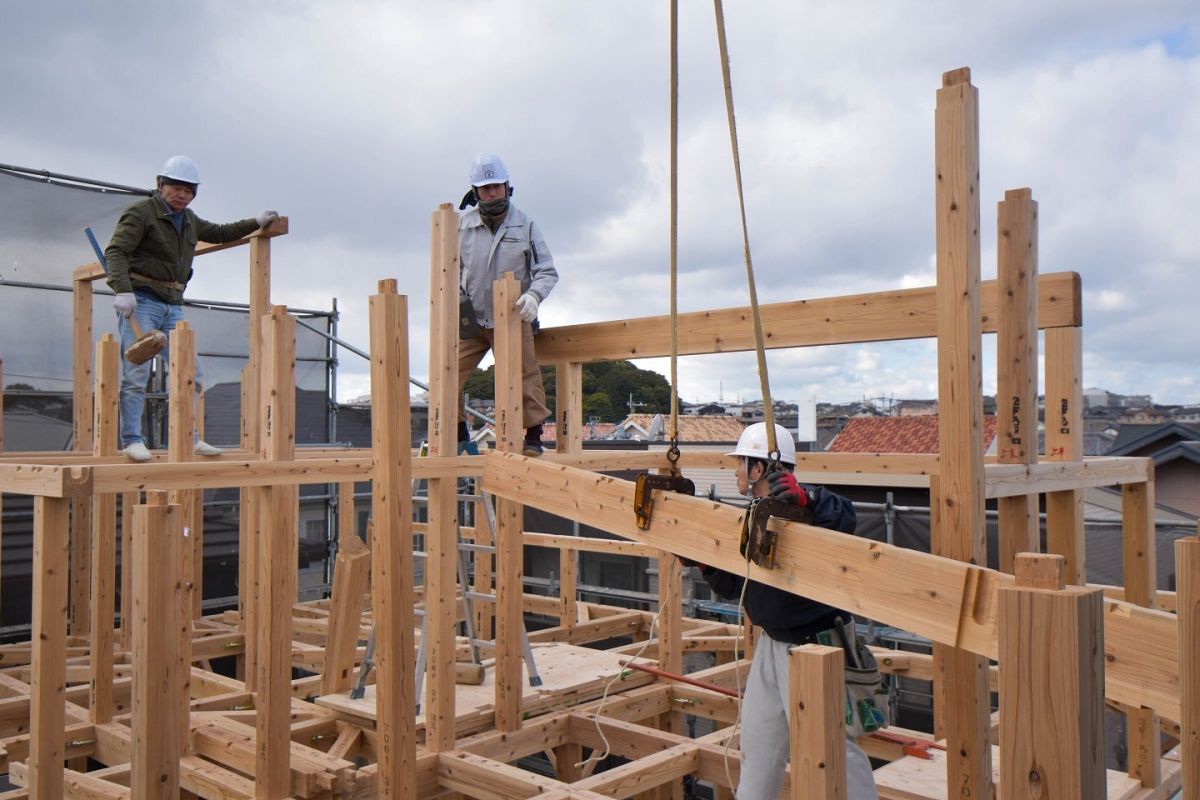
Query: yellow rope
point(759, 348)
point(674, 221)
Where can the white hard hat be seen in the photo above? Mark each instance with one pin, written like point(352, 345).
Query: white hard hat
point(753, 443)
point(486, 169)
point(181, 169)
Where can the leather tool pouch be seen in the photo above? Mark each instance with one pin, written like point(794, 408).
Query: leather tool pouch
point(468, 325)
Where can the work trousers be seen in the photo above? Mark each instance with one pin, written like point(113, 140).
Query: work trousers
point(152, 314)
point(766, 732)
point(533, 394)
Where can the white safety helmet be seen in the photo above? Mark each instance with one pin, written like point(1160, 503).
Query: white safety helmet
point(486, 169)
point(181, 169)
point(753, 444)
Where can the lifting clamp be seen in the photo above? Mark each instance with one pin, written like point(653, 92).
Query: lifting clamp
point(758, 541)
point(643, 490)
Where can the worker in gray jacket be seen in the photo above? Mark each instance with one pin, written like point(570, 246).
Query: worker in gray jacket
point(497, 237)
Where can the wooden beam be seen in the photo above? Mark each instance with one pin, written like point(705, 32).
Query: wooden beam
point(82, 442)
point(1064, 442)
point(49, 644)
point(391, 544)
point(510, 514)
point(181, 427)
point(441, 541)
point(350, 574)
point(878, 316)
point(104, 536)
point(817, 688)
point(1012, 480)
point(278, 507)
point(948, 601)
point(1016, 359)
point(1187, 570)
point(957, 496)
point(1051, 693)
point(157, 608)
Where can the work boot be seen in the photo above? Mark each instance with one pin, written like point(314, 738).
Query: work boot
point(533, 441)
point(137, 452)
point(203, 448)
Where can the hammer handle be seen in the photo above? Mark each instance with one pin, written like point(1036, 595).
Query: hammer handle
point(137, 329)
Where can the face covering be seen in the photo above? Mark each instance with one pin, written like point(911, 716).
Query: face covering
point(493, 208)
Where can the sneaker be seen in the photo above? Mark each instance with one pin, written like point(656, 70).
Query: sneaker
point(533, 441)
point(203, 448)
point(137, 452)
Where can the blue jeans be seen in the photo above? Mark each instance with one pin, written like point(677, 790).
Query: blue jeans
point(152, 314)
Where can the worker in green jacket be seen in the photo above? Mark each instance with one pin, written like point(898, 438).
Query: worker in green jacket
point(149, 260)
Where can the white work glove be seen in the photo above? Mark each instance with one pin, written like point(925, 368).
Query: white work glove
point(527, 306)
point(265, 218)
point(125, 304)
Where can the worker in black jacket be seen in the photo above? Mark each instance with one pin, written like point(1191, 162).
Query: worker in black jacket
point(786, 620)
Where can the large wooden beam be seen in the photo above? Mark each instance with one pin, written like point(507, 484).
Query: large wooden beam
point(1051, 693)
point(104, 536)
point(391, 545)
point(49, 646)
point(956, 498)
point(878, 316)
point(1064, 442)
point(181, 380)
point(1187, 566)
point(278, 508)
point(817, 687)
point(441, 540)
point(1016, 366)
point(157, 607)
point(510, 514)
point(944, 600)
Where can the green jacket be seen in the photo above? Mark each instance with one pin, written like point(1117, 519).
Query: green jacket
point(145, 248)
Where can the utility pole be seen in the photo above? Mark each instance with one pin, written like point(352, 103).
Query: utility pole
point(632, 405)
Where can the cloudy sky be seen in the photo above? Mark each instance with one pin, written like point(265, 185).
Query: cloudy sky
point(356, 119)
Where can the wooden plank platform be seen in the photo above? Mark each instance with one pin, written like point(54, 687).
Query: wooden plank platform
point(570, 675)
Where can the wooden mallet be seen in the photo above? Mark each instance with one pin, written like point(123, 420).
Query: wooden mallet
point(146, 346)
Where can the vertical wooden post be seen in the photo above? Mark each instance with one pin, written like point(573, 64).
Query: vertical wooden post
point(1064, 442)
point(817, 686)
point(83, 438)
point(1143, 738)
point(441, 542)
point(956, 497)
point(128, 501)
point(157, 611)
point(568, 411)
point(1016, 381)
point(1051, 644)
point(181, 379)
point(347, 518)
point(345, 616)
point(248, 504)
point(48, 647)
point(1187, 608)
point(510, 434)
point(391, 545)
point(104, 535)
point(276, 558)
point(568, 438)
point(1, 451)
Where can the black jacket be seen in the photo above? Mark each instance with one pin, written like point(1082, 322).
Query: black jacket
point(788, 617)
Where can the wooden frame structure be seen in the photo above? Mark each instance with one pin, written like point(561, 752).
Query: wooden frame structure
point(90, 711)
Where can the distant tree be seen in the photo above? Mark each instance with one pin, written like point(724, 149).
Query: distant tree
point(607, 386)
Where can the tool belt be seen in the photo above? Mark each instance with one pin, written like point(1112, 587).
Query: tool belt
point(179, 287)
point(867, 709)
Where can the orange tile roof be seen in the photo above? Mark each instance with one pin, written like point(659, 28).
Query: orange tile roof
point(897, 435)
point(703, 428)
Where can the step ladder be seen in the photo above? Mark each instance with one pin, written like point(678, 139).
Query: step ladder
point(469, 599)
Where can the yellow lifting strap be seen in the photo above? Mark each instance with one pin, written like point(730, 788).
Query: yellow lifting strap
point(759, 348)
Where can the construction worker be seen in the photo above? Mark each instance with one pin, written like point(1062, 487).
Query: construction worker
point(149, 265)
point(785, 620)
point(497, 237)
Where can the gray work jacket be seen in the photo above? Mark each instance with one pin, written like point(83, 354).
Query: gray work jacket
point(517, 246)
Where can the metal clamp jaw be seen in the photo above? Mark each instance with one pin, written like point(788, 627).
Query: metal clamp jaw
point(758, 541)
point(643, 494)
